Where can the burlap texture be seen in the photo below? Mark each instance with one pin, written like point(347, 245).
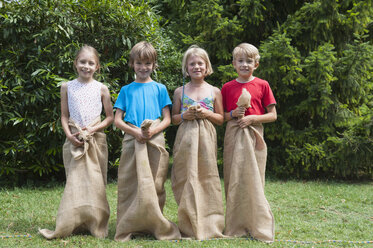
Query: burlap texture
point(84, 206)
point(141, 195)
point(247, 209)
point(195, 181)
point(245, 99)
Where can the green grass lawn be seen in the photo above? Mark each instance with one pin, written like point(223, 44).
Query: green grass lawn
point(303, 211)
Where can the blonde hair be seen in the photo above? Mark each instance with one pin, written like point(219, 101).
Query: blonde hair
point(143, 51)
point(196, 51)
point(248, 50)
point(89, 49)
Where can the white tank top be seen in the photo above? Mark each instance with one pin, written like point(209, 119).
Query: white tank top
point(84, 101)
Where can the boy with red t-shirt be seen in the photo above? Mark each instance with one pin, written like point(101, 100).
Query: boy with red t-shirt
point(245, 151)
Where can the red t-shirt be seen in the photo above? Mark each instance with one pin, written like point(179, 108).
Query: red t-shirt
point(259, 89)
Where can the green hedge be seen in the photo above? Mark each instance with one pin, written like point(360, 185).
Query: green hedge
point(39, 40)
point(320, 64)
point(317, 56)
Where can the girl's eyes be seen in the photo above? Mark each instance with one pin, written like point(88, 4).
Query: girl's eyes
point(89, 62)
point(194, 64)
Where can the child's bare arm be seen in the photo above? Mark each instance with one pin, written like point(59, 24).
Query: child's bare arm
point(134, 131)
point(108, 107)
point(177, 117)
point(237, 112)
point(73, 137)
point(270, 116)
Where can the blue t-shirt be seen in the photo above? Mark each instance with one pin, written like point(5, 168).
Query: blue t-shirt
point(142, 101)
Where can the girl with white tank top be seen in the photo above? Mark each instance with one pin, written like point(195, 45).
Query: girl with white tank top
point(84, 205)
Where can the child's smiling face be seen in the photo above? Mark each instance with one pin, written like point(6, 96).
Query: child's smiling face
point(143, 69)
point(86, 65)
point(196, 67)
point(244, 65)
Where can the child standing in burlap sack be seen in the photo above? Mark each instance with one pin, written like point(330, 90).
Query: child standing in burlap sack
point(195, 177)
point(144, 161)
point(248, 102)
point(84, 205)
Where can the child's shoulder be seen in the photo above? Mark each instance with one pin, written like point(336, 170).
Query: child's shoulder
point(215, 89)
point(178, 91)
point(160, 85)
point(156, 86)
point(232, 82)
point(261, 82)
point(63, 88)
point(130, 86)
point(65, 85)
point(104, 87)
point(69, 82)
point(180, 88)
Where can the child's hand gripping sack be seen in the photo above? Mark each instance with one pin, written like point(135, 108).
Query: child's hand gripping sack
point(84, 135)
point(146, 124)
point(194, 108)
point(146, 131)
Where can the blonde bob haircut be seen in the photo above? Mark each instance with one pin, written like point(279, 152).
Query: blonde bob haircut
point(90, 49)
point(143, 51)
point(248, 50)
point(195, 50)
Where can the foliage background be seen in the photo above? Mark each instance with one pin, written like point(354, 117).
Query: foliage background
point(316, 55)
point(39, 40)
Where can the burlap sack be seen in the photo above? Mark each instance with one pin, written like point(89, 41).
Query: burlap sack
point(195, 181)
point(84, 205)
point(245, 99)
point(141, 195)
point(247, 209)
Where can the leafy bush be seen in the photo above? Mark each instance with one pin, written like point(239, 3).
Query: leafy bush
point(320, 65)
point(39, 40)
point(317, 57)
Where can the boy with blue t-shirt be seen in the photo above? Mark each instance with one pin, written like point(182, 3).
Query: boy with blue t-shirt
point(143, 164)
